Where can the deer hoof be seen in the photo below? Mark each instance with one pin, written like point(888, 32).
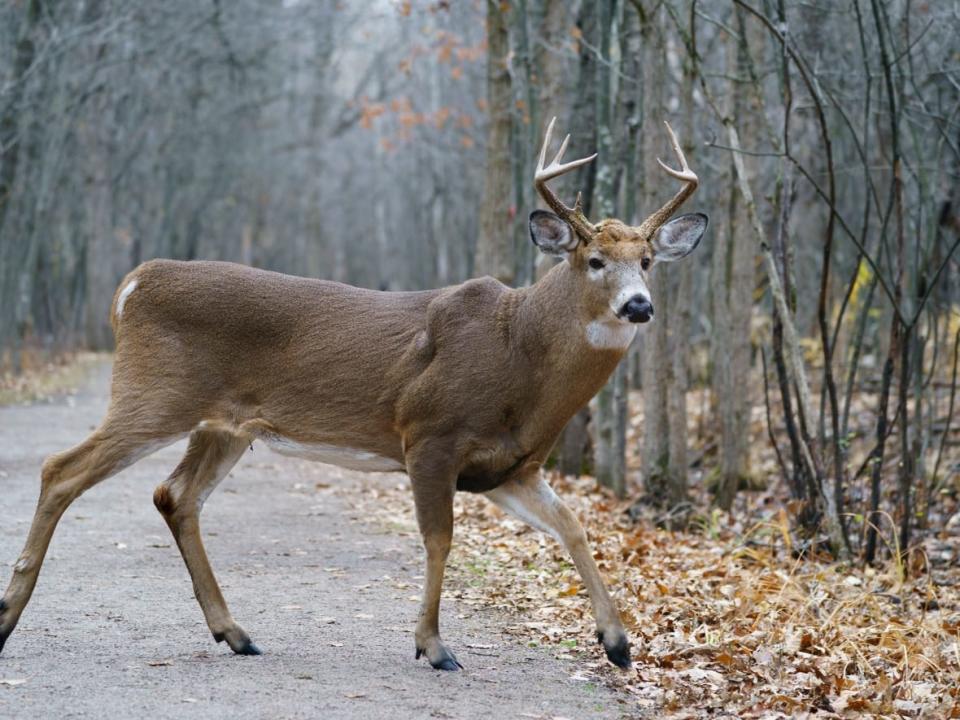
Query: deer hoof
point(446, 660)
point(238, 641)
point(618, 651)
point(249, 649)
point(448, 663)
point(3, 640)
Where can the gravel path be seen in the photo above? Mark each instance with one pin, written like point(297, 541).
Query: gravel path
point(113, 630)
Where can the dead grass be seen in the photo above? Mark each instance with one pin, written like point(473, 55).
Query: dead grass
point(48, 379)
point(726, 622)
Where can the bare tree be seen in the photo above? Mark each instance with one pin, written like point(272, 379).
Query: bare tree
point(495, 243)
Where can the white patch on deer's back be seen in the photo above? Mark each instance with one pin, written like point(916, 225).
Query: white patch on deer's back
point(610, 335)
point(124, 294)
point(346, 457)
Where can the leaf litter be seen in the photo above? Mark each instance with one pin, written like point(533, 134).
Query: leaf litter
point(725, 623)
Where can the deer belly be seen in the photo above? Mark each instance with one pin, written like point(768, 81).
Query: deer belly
point(345, 457)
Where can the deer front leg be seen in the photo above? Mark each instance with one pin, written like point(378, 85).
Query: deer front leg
point(532, 500)
point(434, 484)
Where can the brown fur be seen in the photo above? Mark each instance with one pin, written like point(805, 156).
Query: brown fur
point(163, 500)
point(467, 387)
point(254, 352)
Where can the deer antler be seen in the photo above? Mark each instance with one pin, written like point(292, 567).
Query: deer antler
point(573, 216)
point(684, 174)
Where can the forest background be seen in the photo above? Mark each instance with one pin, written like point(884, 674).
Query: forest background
point(798, 385)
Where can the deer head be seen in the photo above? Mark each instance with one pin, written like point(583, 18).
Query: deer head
point(611, 259)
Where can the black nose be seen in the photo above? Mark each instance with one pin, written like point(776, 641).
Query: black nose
point(637, 309)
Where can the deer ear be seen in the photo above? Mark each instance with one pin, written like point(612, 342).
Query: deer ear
point(679, 237)
point(551, 234)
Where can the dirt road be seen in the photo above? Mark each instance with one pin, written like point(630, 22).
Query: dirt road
point(113, 630)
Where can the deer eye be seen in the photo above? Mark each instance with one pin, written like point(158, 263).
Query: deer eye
point(645, 263)
point(595, 263)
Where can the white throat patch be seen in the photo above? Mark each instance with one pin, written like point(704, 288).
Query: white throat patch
point(610, 334)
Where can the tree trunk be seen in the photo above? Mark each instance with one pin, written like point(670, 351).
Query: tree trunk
point(574, 444)
point(733, 281)
point(495, 242)
point(666, 343)
point(11, 130)
point(551, 66)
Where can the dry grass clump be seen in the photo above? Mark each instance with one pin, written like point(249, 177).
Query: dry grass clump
point(40, 379)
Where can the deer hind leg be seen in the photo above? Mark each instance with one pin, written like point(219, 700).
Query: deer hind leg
point(532, 500)
point(209, 457)
point(433, 489)
point(64, 477)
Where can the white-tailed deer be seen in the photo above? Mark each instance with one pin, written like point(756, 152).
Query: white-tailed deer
point(463, 388)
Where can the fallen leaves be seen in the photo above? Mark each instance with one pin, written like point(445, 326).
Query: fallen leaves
point(723, 624)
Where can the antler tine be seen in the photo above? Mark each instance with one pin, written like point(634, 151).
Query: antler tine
point(573, 216)
point(546, 142)
point(685, 175)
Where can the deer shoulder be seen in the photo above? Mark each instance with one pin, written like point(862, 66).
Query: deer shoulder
point(473, 382)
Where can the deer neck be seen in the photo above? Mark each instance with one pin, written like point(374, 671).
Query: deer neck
point(578, 348)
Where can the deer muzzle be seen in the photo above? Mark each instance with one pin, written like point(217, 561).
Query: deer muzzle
point(637, 309)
